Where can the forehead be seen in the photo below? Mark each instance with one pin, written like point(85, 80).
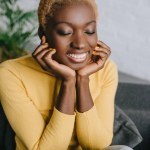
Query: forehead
point(75, 13)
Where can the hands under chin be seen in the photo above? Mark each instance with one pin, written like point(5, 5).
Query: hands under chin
point(98, 59)
point(43, 56)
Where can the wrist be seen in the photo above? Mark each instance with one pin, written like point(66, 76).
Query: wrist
point(66, 98)
point(70, 81)
point(82, 79)
point(84, 100)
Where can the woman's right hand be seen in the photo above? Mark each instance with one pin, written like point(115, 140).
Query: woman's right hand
point(43, 55)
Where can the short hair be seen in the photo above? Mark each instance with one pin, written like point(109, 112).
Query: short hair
point(47, 8)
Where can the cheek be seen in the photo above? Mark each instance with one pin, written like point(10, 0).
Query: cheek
point(54, 40)
point(60, 42)
point(61, 46)
point(93, 41)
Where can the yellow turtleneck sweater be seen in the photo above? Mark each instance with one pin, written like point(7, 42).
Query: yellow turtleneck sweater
point(28, 95)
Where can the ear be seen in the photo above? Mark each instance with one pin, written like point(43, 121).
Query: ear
point(40, 31)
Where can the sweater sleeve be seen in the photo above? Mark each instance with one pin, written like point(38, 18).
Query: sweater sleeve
point(95, 127)
point(26, 120)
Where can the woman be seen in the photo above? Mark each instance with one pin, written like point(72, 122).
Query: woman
point(62, 97)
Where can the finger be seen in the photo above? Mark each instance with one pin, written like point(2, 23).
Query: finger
point(103, 49)
point(99, 61)
point(40, 60)
point(102, 44)
point(43, 40)
point(99, 57)
point(39, 48)
point(54, 65)
point(48, 55)
point(101, 54)
point(47, 58)
point(103, 57)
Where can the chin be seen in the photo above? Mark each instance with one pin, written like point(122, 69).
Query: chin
point(77, 67)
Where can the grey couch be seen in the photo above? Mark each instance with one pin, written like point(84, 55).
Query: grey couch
point(133, 99)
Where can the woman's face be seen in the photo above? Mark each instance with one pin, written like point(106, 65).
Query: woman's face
point(72, 32)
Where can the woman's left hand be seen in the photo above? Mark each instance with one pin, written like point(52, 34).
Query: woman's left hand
point(99, 57)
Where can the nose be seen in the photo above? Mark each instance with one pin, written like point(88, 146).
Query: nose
point(78, 42)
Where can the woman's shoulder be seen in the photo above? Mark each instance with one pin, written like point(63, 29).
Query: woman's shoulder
point(109, 65)
point(10, 62)
point(110, 71)
point(26, 61)
point(13, 67)
point(109, 68)
point(22, 66)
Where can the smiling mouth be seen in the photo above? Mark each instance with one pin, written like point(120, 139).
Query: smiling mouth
point(77, 57)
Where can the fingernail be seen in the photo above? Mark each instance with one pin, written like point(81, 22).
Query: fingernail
point(42, 37)
point(93, 52)
point(45, 43)
point(52, 49)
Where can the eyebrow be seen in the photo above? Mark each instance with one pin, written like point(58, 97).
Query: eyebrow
point(60, 22)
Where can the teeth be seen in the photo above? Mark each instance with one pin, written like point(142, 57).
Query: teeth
point(78, 56)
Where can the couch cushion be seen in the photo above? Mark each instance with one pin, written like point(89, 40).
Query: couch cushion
point(125, 131)
point(7, 135)
point(134, 100)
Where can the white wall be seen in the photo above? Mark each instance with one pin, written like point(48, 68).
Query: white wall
point(28, 4)
point(125, 26)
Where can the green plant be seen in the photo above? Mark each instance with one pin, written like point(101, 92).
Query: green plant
point(19, 27)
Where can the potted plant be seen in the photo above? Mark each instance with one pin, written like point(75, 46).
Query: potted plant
point(18, 29)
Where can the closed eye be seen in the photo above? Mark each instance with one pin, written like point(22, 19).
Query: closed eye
point(64, 33)
point(90, 33)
